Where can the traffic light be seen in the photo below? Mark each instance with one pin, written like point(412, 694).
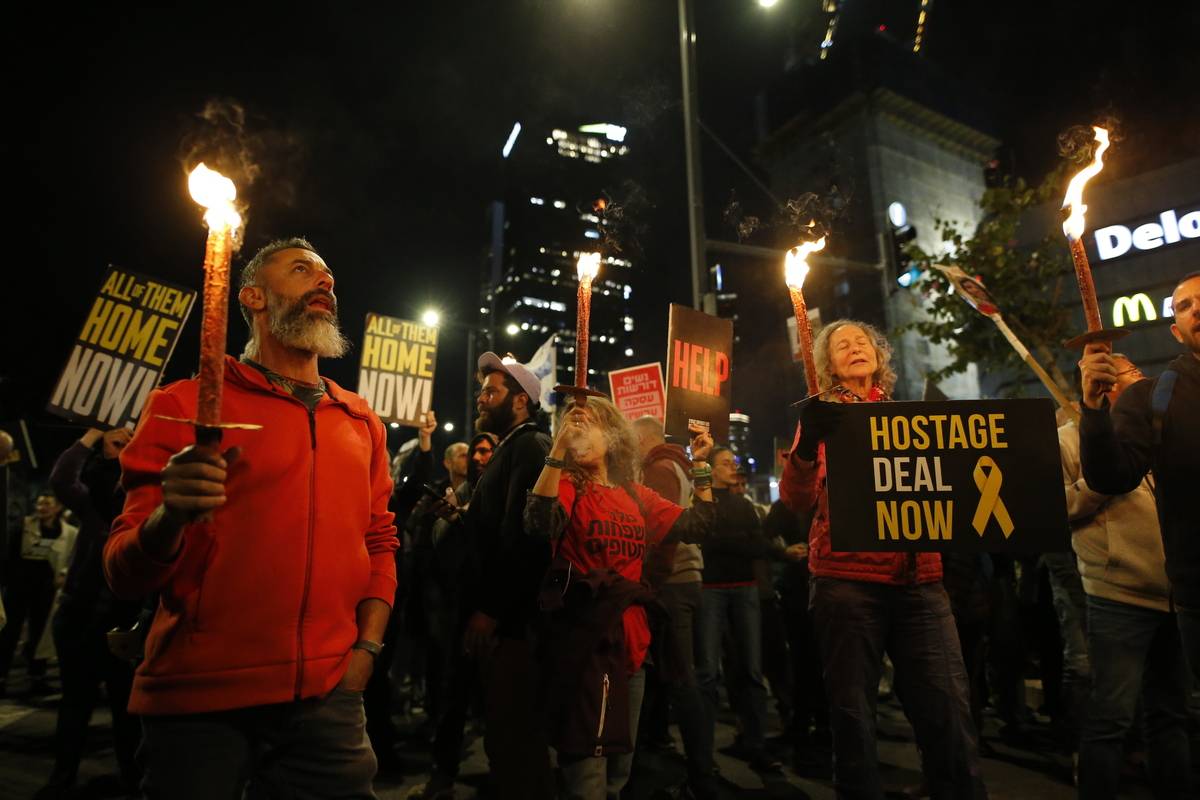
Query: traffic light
point(902, 232)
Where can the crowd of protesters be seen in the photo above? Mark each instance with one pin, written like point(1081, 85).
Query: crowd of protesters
point(286, 594)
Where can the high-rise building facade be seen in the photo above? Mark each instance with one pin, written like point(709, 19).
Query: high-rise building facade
point(554, 208)
point(899, 140)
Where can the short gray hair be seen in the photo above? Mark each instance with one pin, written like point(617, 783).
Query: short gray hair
point(884, 377)
point(651, 424)
point(453, 449)
point(249, 276)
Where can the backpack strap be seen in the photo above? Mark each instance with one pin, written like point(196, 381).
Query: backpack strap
point(1160, 398)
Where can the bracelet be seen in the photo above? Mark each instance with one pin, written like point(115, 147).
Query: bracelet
point(555, 463)
point(702, 483)
point(702, 472)
point(366, 645)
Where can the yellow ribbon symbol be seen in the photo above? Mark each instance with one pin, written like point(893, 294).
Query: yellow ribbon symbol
point(987, 480)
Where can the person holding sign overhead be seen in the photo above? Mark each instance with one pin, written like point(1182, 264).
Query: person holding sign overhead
point(866, 604)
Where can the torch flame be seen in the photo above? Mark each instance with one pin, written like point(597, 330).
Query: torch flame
point(215, 192)
point(1073, 225)
point(795, 265)
point(588, 266)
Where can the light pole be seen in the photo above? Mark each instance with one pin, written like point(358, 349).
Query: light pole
point(434, 319)
point(691, 144)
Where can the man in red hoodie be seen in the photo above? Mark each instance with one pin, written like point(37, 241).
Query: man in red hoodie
point(273, 560)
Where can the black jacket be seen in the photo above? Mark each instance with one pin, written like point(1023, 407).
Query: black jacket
point(737, 539)
point(1118, 449)
point(508, 565)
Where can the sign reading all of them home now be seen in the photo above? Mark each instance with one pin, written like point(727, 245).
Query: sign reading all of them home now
point(963, 475)
point(127, 339)
point(395, 375)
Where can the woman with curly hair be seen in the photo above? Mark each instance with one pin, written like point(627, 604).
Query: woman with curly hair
point(866, 604)
point(599, 521)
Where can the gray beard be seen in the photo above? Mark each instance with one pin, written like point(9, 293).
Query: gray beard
point(294, 326)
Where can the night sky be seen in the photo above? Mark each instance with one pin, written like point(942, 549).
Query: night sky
point(377, 130)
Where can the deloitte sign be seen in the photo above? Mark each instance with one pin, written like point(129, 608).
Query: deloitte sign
point(1115, 241)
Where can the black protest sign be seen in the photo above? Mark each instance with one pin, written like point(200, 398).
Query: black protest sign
point(962, 475)
point(119, 356)
point(699, 363)
point(396, 373)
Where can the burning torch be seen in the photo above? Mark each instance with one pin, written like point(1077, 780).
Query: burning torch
point(587, 267)
point(215, 192)
point(795, 271)
point(1073, 227)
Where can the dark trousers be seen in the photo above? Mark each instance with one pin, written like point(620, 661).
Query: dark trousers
point(682, 601)
point(776, 660)
point(1135, 651)
point(1188, 620)
point(306, 750)
point(972, 639)
point(736, 610)
point(515, 739)
point(377, 698)
point(857, 622)
point(810, 706)
point(84, 663)
point(1006, 652)
point(29, 595)
point(1070, 605)
point(461, 684)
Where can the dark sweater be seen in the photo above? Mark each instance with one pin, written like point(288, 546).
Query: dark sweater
point(736, 540)
point(94, 502)
point(509, 565)
point(1118, 449)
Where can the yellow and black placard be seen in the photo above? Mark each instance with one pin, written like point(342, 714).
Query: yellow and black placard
point(119, 356)
point(396, 372)
point(978, 475)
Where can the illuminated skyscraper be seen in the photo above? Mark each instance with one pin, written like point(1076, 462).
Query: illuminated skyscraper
point(553, 209)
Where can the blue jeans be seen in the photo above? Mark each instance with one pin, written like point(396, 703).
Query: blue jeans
point(682, 601)
point(856, 623)
point(1070, 604)
point(735, 609)
point(1135, 651)
point(603, 777)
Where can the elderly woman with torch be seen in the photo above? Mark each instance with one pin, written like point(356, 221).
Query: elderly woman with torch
point(599, 522)
point(866, 604)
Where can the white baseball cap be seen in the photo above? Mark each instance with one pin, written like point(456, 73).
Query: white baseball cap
point(516, 370)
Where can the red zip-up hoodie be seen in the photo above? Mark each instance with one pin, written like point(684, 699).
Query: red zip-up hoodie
point(259, 606)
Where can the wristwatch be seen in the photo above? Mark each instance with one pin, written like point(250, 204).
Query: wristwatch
point(374, 648)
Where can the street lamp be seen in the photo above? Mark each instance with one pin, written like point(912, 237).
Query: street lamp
point(431, 317)
point(767, 3)
point(513, 329)
point(448, 427)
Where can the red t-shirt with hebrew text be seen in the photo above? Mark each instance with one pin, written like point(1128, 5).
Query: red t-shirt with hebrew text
point(606, 530)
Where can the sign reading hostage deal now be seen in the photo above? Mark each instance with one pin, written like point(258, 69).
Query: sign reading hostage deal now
point(396, 372)
point(973, 475)
point(120, 354)
point(699, 359)
point(638, 391)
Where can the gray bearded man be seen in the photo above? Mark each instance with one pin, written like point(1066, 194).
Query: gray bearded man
point(273, 560)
